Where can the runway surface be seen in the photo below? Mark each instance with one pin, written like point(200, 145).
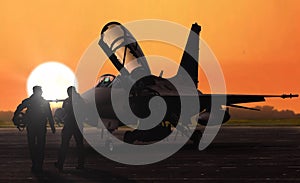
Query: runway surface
point(238, 154)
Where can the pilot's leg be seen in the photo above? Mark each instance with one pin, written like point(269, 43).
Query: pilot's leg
point(80, 148)
point(40, 147)
point(65, 139)
point(31, 145)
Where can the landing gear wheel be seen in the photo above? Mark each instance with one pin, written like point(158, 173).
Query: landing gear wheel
point(195, 138)
point(109, 145)
point(129, 137)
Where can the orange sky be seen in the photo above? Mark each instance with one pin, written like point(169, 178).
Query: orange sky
point(256, 42)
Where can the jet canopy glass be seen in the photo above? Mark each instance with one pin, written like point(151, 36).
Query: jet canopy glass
point(105, 80)
point(122, 49)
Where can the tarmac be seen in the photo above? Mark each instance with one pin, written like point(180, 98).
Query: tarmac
point(237, 154)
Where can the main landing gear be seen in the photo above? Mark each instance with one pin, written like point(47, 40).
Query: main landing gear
point(160, 132)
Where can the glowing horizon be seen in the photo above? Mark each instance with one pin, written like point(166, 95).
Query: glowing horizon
point(256, 42)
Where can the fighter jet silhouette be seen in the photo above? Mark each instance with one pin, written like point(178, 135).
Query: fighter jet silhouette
point(127, 56)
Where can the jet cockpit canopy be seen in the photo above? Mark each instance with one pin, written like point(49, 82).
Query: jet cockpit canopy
point(122, 49)
point(105, 80)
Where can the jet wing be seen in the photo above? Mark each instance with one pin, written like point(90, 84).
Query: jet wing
point(237, 99)
point(232, 99)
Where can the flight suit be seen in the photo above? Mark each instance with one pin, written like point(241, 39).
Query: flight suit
point(71, 128)
point(38, 112)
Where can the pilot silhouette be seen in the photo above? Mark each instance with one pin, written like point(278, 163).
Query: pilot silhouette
point(71, 128)
point(38, 112)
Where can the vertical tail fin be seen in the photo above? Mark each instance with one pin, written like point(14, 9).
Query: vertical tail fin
point(189, 60)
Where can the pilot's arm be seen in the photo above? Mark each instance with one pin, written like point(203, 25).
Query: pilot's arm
point(50, 117)
point(66, 108)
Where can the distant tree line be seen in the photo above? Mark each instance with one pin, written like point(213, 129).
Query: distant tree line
point(266, 112)
point(6, 116)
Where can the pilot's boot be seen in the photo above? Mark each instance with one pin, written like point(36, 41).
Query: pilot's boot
point(196, 137)
point(80, 165)
point(58, 166)
point(129, 137)
point(33, 166)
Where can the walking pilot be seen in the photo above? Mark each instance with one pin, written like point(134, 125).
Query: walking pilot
point(71, 128)
point(38, 112)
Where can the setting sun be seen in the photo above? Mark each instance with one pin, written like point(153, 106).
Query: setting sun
point(54, 78)
point(256, 42)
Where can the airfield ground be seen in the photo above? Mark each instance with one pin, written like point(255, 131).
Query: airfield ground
point(238, 154)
